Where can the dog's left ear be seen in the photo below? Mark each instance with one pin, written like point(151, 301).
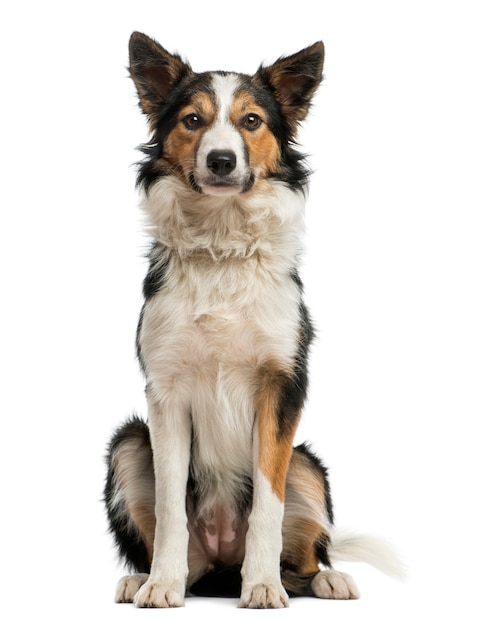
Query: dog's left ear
point(295, 79)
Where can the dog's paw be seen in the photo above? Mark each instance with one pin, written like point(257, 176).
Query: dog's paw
point(334, 585)
point(161, 595)
point(128, 586)
point(263, 596)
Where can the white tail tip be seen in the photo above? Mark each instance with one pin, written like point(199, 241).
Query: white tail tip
point(378, 553)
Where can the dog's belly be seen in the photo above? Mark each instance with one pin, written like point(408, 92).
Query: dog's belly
point(218, 537)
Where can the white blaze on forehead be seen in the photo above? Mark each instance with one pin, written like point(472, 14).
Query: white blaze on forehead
point(223, 135)
point(224, 87)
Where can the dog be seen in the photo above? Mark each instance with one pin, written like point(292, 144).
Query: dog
point(210, 496)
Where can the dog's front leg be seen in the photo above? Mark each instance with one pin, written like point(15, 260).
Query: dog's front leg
point(272, 448)
point(170, 430)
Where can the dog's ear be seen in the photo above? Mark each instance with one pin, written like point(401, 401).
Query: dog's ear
point(154, 70)
point(294, 80)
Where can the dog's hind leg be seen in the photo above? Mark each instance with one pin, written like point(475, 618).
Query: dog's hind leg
point(307, 523)
point(128, 586)
point(129, 500)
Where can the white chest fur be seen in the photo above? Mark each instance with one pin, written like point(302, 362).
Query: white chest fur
point(225, 308)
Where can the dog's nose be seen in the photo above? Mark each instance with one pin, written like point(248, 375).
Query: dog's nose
point(221, 162)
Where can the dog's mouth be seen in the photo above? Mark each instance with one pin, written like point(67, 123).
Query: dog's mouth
point(221, 186)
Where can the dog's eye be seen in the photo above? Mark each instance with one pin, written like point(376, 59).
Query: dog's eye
point(251, 121)
point(192, 121)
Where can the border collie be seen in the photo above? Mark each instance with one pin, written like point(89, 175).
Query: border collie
point(211, 497)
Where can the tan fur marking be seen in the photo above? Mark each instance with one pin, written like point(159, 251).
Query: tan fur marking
point(144, 518)
point(304, 519)
point(264, 154)
point(181, 144)
point(305, 481)
point(275, 450)
point(133, 468)
point(298, 541)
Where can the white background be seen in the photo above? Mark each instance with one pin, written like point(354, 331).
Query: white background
point(392, 273)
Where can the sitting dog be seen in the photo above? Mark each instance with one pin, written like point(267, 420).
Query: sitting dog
point(211, 495)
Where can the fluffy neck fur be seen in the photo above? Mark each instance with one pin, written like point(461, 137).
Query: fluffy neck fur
point(185, 223)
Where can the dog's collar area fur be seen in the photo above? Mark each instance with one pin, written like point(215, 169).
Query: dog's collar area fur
point(239, 226)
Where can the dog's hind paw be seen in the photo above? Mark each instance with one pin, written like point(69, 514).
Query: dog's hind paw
point(160, 595)
point(334, 585)
point(128, 586)
point(263, 596)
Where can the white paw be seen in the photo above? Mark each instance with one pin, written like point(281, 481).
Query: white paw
point(263, 596)
point(158, 594)
point(334, 585)
point(128, 586)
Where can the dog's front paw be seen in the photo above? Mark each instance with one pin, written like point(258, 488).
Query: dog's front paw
point(128, 586)
point(334, 585)
point(263, 596)
point(159, 594)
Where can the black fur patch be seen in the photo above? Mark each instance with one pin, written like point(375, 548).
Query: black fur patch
point(138, 340)
point(294, 392)
point(318, 466)
point(156, 273)
point(220, 583)
point(321, 548)
point(153, 283)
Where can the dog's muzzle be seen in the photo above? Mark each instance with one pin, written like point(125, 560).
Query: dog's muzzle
point(221, 175)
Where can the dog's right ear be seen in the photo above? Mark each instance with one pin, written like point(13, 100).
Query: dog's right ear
point(154, 71)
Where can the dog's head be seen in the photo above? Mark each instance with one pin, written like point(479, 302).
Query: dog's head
point(223, 133)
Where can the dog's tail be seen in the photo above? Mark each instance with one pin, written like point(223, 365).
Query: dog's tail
point(348, 546)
